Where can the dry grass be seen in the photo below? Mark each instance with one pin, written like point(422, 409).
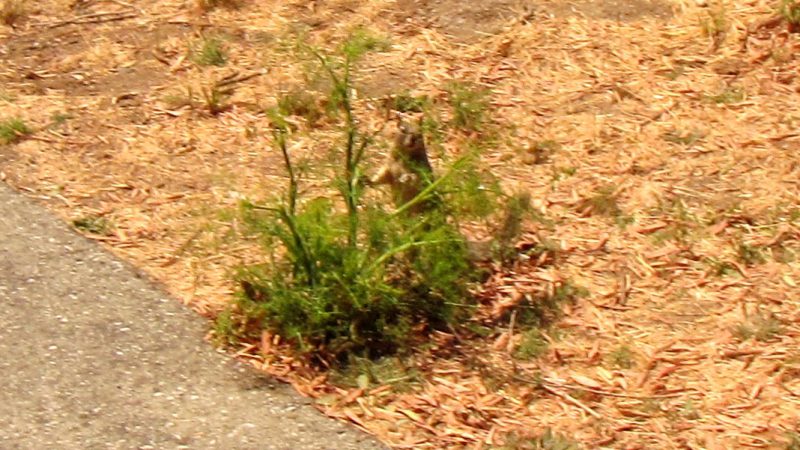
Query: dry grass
point(670, 195)
point(208, 5)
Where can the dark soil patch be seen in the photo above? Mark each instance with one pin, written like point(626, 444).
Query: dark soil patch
point(470, 21)
point(623, 10)
point(35, 59)
point(463, 21)
point(386, 82)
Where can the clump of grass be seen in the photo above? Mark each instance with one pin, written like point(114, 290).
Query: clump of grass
point(605, 201)
point(729, 95)
point(621, 357)
point(94, 225)
point(532, 346)
point(302, 103)
point(365, 373)
point(689, 411)
point(226, 328)
point(548, 440)
point(792, 441)
point(719, 267)
point(783, 255)
point(560, 173)
point(676, 72)
point(687, 138)
point(716, 22)
point(12, 12)
point(407, 103)
point(469, 103)
point(683, 224)
point(651, 406)
point(515, 210)
point(782, 55)
point(180, 99)
point(547, 249)
point(749, 255)
point(716, 26)
point(215, 99)
point(790, 11)
point(568, 291)
point(208, 51)
point(208, 5)
point(623, 221)
point(12, 130)
point(778, 249)
point(762, 328)
point(60, 118)
point(540, 152)
point(478, 330)
point(541, 311)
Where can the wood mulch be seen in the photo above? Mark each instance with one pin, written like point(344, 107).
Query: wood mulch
point(662, 151)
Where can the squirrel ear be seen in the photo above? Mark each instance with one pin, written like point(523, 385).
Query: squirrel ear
point(403, 125)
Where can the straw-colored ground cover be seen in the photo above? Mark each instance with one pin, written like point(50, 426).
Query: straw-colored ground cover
point(659, 140)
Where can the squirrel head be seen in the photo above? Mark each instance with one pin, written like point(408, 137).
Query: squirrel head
point(410, 139)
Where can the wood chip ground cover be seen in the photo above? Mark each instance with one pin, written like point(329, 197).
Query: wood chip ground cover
point(670, 193)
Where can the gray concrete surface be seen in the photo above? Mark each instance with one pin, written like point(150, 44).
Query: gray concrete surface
point(92, 356)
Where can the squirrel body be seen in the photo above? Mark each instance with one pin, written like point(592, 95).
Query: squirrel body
point(407, 170)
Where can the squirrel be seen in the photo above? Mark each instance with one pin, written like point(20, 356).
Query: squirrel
point(407, 170)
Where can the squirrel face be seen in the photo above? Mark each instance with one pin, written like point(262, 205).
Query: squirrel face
point(410, 141)
point(410, 148)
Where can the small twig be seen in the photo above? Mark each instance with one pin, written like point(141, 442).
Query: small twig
point(51, 141)
point(264, 208)
point(512, 322)
point(453, 330)
point(553, 385)
point(161, 58)
point(769, 22)
point(127, 5)
point(177, 254)
point(782, 385)
point(742, 352)
point(631, 396)
point(235, 78)
point(655, 116)
point(99, 17)
point(572, 400)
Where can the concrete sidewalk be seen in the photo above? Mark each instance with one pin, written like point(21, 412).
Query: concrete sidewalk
point(94, 357)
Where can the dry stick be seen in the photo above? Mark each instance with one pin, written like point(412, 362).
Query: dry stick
point(772, 139)
point(161, 58)
point(572, 400)
point(235, 78)
point(769, 22)
point(646, 374)
point(779, 381)
point(56, 141)
point(177, 254)
point(38, 138)
point(632, 396)
point(512, 322)
point(545, 383)
point(127, 5)
point(94, 18)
